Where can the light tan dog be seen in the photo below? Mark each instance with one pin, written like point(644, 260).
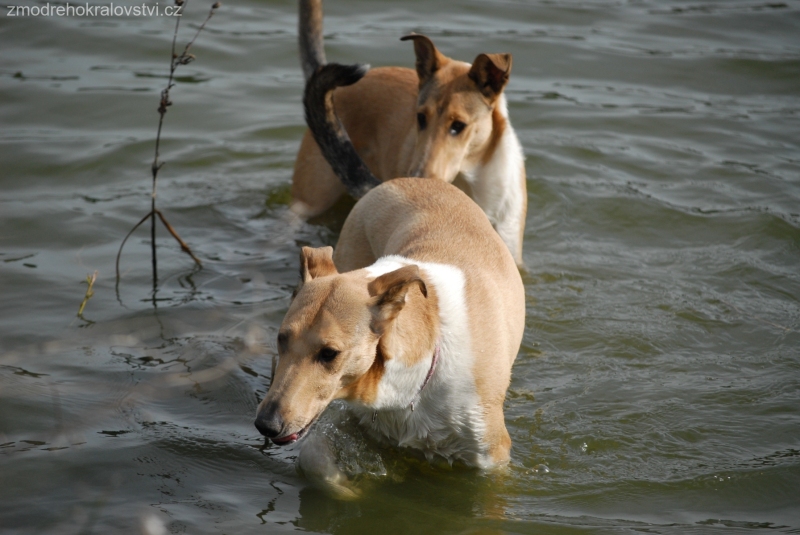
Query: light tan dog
point(415, 319)
point(448, 120)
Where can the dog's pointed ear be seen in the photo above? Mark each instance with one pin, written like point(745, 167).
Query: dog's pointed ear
point(429, 59)
point(389, 293)
point(490, 73)
point(315, 263)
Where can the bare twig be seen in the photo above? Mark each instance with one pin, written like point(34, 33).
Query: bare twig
point(172, 231)
point(200, 29)
point(137, 225)
point(175, 60)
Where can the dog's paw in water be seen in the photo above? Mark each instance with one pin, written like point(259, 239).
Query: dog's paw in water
point(337, 458)
point(317, 462)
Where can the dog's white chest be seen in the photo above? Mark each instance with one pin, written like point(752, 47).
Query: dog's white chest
point(446, 419)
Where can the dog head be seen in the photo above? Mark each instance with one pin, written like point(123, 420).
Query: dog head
point(329, 342)
point(458, 119)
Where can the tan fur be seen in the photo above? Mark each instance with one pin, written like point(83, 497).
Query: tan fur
point(379, 114)
point(494, 286)
point(524, 179)
point(498, 127)
point(395, 316)
point(332, 309)
point(453, 97)
point(365, 388)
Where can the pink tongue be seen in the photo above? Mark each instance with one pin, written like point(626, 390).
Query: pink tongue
point(285, 440)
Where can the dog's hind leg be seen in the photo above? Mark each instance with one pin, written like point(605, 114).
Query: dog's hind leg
point(315, 187)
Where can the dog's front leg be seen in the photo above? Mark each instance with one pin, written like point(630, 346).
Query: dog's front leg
point(317, 462)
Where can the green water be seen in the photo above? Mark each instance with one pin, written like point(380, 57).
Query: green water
point(658, 386)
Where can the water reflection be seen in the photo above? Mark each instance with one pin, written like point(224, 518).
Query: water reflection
point(425, 501)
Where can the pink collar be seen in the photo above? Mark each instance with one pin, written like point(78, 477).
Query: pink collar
point(434, 360)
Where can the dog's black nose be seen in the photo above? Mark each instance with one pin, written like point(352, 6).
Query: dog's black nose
point(268, 421)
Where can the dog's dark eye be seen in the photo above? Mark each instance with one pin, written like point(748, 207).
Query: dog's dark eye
point(422, 121)
point(327, 354)
point(457, 127)
point(283, 340)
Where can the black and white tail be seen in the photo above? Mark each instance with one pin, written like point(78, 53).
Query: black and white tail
point(312, 48)
point(328, 131)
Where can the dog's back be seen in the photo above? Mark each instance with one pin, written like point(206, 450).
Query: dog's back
point(433, 221)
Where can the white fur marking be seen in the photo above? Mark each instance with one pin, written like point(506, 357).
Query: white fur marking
point(497, 186)
point(447, 420)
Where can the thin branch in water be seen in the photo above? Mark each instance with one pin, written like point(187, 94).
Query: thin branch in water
point(185, 54)
point(137, 225)
point(175, 60)
point(174, 233)
point(184, 247)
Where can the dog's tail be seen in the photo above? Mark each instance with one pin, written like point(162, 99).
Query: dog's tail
point(328, 131)
point(312, 48)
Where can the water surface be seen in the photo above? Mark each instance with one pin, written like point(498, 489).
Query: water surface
point(658, 385)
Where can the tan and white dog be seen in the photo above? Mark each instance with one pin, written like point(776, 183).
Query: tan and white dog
point(448, 120)
point(415, 319)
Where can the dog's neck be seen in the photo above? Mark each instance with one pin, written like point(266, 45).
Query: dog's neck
point(434, 360)
point(494, 183)
point(405, 351)
point(447, 419)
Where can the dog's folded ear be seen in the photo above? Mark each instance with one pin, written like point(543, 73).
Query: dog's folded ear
point(389, 293)
point(490, 73)
point(315, 263)
point(429, 59)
